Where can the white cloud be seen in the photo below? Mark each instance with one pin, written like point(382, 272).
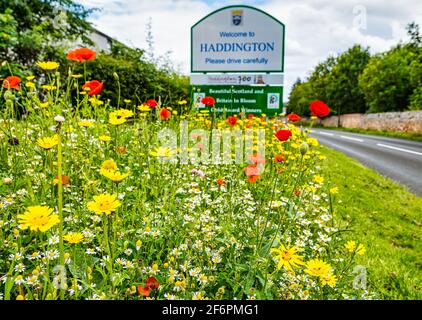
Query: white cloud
point(314, 28)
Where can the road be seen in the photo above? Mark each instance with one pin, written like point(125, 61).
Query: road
point(398, 159)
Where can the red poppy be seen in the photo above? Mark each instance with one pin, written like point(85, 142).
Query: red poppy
point(319, 109)
point(279, 158)
point(280, 170)
point(94, 87)
point(165, 114)
point(12, 82)
point(65, 180)
point(220, 182)
point(297, 193)
point(293, 117)
point(81, 55)
point(231, 120)
point(151, 103)
point(152, 283)
point(252, 172)
point(250, 116)
point(144, 291)
point(283, 135)
point(121, 150)
point(256, 159)
point(208, 101)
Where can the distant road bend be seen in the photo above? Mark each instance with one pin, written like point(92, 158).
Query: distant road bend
point(399, 159)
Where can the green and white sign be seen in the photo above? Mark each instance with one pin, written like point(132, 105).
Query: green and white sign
point(237, 57)
point(236, 99)
point(237, 39)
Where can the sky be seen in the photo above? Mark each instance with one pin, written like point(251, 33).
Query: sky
point(315, 29)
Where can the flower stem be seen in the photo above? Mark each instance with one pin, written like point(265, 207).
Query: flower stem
point(60, 207)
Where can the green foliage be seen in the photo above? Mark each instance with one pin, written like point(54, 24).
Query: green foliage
point(320, 79)
point(8, 33)
point(40, 27)
point(343, 92)
point(334, 81)
point(142, 79)
point(300, 98)
point(46, 29)
point(357, 82)
point(385, 81)
point(386, 220)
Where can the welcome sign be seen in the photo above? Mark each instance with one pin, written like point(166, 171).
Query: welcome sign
point(237, 57)
point(237, 39)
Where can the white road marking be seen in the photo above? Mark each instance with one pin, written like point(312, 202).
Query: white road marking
point(353, 139)
point(326, 133)
point(399, 149)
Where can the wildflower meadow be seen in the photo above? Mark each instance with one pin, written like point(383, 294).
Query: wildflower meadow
point(134, 201)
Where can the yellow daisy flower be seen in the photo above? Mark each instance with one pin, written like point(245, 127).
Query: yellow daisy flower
point(86, 123)
point(48, 87)
point(162, 152)
point(319, 179)
point(74, 238)
point(318, 268)
point(114, 175)
point(115, 119)
point(38, 218)
point(124, 113)
point(48, 142)
point(109, 165)
point(44, 105)
point(144, 108)
point(104, 138)
point(334, 190)
point(287, 258)
point(48, 65)
point(104, 203)
point(328, 279)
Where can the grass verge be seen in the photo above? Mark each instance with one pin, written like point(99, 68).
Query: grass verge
point(392, 134)
point(386, 218)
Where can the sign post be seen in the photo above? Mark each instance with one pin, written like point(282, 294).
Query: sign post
point(237, 57)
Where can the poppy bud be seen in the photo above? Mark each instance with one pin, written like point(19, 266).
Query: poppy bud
point(9, 103)
point(304, 148)
point(13, 141)
point(8, 95)
point(116, 76)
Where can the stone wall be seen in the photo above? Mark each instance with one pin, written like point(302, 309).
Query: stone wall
point(409, 121)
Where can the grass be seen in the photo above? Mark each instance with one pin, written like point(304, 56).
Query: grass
point(393, 134)
point(386, 218)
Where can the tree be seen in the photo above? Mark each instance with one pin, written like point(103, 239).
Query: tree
point(40, 28)
point(414, 33)
point(320, 78)
point(415, 66)
point(342, 89)
point(140, 79)
point(300, 98)
point(385, 81)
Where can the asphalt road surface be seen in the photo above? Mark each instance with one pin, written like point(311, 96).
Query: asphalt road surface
point(398, 159)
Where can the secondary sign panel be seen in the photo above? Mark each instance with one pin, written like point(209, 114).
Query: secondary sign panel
point(237, 38)
point(236, 79)
point(236, 99)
